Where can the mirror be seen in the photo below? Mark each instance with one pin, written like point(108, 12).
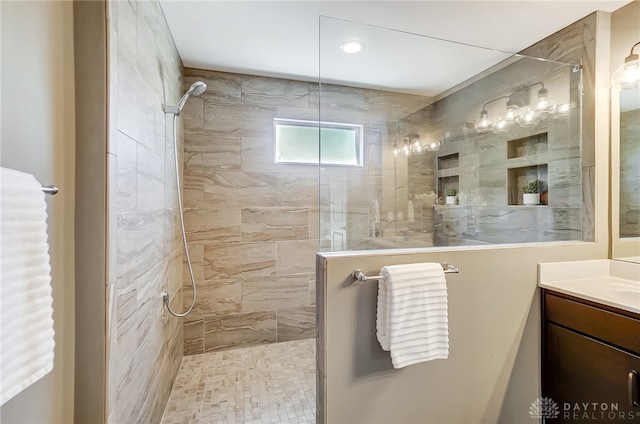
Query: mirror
point(625, 173)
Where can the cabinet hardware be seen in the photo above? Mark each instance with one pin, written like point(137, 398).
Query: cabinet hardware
point(632, 382)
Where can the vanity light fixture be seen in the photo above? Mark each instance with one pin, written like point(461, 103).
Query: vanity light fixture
point(352, 46)
point(627, 76)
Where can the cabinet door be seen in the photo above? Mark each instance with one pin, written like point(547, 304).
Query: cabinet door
point(584, 376)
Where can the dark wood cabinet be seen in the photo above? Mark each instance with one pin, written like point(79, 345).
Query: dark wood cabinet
point(590, 361)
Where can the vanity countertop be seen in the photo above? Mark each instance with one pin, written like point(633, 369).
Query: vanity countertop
point(604, 281)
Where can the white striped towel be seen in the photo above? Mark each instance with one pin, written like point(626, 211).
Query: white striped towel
point(26, 326)
point(412, 318)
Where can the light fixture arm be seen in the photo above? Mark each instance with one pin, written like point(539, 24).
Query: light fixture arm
point(632, 56)
point(484, 106)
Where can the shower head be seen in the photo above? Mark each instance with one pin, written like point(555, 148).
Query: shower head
point(196, 89)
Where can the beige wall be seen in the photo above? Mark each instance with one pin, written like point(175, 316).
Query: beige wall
point(493, 371)
point(144, 348)
point(38, 137)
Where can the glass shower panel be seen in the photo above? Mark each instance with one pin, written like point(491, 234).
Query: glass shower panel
point(482, 130)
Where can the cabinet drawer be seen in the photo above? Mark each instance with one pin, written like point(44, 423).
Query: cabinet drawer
point(619, 330)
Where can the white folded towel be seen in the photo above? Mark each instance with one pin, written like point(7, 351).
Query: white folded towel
point(412, 319)
point(26, 329)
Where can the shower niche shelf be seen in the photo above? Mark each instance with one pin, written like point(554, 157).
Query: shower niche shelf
point(445, 182)
point(533, 145)
point(523, 175)
point(448, 161)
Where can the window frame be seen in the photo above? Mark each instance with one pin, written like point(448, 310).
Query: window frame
point(320, 125)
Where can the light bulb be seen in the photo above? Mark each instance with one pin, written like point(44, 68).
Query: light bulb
point(512, 114)
point(395, 150)
point(627, 77)
point(416, 146)
point(406, 148)
point(528, 119)
point(544, 104)
point(500, 127)
point(484, 125)
point(434, 146)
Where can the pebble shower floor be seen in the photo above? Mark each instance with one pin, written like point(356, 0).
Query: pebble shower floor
point(273, 383)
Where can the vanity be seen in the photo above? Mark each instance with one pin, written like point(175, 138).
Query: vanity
point(590, 340)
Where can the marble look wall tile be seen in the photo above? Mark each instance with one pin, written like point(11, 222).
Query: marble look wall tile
point(238, 120)
point(125, 336)
point(174, 272)
point(565, 180)
point(150, 180)
point(588, 203)
point(271, 224)
point(339, 98)
point(239, 260)
point(312, 289)
point(295, 257)
point(205, 153)
point(126, 180)
point(192, 115)
point(240, 189)
point(222, 87)
point(193, 188)
point(213, 224)
point(194, 337)
point(250, 329)
point(565, 224)
point(314, 223)
point(269, 293)
point(296, 323)
point(294, 190)
point(214, 298)
point(272, 91)
point(172, 232)
point(146, 49)
point(145, 350)
point(196, 254)
point(140, 243)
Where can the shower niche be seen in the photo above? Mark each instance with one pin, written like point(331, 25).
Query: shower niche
point(527, 159)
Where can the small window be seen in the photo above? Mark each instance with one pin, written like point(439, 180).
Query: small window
point(297, 142)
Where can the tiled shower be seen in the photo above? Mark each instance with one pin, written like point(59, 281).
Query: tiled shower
point(254, 225)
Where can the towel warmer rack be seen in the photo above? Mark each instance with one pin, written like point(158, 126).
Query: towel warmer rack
point(361, 276)
point(50, 189)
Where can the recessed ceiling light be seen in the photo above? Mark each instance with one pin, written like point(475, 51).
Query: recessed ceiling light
point(352, 46)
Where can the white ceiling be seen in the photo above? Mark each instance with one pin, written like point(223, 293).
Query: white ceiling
point(285, 38)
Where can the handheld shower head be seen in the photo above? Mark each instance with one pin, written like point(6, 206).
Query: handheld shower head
point(196, 89)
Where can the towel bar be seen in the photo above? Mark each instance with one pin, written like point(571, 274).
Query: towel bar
point(50, 189)
point(361, 276)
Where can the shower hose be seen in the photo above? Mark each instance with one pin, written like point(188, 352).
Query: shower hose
point(165, 295)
